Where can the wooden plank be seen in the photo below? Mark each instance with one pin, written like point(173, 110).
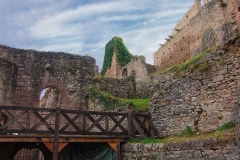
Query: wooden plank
point(106, 124)
point(113, 145)
point(96, 124)
point(43, 121)
point(13, 119)
point(68, 124)
point(138, 128)
point(141, 124)
point(71, 121)
point(93, 121)
point(154, 129)
point(130, 127)
point(50, 146)
point(63, 139)
point(56, 135)
point(118, 154)
point(118, 123)
point(39, 123)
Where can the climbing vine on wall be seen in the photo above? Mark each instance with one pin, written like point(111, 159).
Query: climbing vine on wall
point(115, 45)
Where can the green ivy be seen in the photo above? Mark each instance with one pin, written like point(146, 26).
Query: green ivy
point(115, 45)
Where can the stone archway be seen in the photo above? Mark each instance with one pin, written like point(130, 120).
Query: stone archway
point(8, 150)
point(30, 154)
point(124, 73)
point(49, 97)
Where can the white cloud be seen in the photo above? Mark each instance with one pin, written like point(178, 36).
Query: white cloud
point(84, 27)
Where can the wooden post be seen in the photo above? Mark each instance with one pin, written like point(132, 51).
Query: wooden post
point(147, 125)
point(0, 117)
point(130, 126)
point(118, 152)
point(56, 135)
point(106, 124)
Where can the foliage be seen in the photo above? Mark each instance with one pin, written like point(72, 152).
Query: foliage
point(109, 101)
point(148, 140)
point(226, 126)
point(115, 45)
point(190, 64)
point(223, 4)
point(204, 67)
point(220, 117)
point(187, 132)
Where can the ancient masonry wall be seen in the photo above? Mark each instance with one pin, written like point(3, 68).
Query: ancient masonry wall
point(8, 74)
point(138, 66)
point(208, 149)
point(70, 74)
point(236, 5)
point(211, 26)
point(196, 7)
point(122, 88)
point(114, 69)
point(203, 100)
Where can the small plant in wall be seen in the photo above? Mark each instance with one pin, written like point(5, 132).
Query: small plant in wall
point(220, 117)
point(223, 4)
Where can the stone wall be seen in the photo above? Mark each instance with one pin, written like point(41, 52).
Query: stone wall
point(114, 69)
point(39, 70)
point(8, 74)
point(211, 26)
point(137, 65)
point(122, 88)
point(190, 13)
point(203, 100)
point(236, 5)
point(208, 149)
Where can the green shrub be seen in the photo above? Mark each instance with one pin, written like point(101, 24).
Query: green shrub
point(187, 132)
point(115, 45)
point(226, 126)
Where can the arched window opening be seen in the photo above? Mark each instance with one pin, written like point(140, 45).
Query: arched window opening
point(124, 73)
point(49, 97)
point(29, 154)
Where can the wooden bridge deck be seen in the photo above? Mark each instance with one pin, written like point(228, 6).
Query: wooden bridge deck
point(57, 127)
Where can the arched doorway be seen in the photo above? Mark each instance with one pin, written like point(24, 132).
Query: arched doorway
point(124, 73)
point(29, 154)
point(49, 97)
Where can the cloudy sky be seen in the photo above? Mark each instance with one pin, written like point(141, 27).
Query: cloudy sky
point(85, 26)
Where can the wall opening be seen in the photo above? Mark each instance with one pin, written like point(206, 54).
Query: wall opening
point(49, 97)
point(29, 154)
point(124, 73)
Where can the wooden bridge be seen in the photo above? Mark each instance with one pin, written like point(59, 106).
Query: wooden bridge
point(58, 127)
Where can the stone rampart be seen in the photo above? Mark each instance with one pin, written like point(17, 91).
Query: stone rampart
point(190, 13)
point(211, 26)
point(204, 98)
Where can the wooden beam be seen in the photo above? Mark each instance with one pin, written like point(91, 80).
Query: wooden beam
point(62, 139)
point(56, 135)
point(113, 145)
point(50, 146)
point(118, 153)
point(116, 147)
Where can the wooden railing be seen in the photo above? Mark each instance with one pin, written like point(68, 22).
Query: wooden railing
point(42, 121)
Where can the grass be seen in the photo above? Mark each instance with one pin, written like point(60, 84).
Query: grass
point(225, 133)
point(108, 100)
point(190, 64)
